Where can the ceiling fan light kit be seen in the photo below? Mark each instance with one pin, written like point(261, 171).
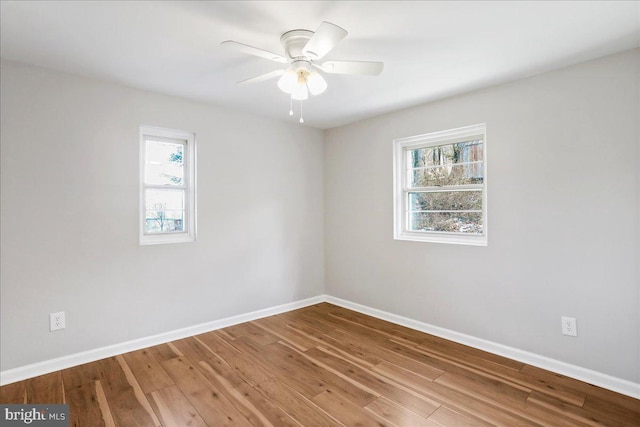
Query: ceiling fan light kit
point(299, 79)
point(302, 48)
point(316, 83)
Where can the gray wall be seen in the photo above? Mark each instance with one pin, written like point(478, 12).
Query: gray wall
point(70, 216)
point(563, 191)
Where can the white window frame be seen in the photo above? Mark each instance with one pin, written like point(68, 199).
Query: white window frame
point(401, 186)
point(188, 139)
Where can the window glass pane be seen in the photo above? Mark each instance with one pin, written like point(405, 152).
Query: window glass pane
point(469, 173)
point(455, 222)
point(164, 211)
point(460, 152)
point(164, 163)
point(445, 201)
point(451, 164)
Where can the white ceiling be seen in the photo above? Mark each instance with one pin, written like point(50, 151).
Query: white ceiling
point(430, 49)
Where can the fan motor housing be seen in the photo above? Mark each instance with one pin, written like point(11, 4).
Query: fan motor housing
point(294, 41)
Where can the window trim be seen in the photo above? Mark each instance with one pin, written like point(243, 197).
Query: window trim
point(189, 186)
point(400, 186)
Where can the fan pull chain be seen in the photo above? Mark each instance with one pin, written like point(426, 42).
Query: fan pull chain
point(301, 119)
point(291, 106)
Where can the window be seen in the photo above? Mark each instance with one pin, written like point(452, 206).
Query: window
point(440, 187)
point(167, 186)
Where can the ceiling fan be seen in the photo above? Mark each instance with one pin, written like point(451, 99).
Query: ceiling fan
point(302, 49)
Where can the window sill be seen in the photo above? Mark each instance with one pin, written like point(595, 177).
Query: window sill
point(450, 238)
point(160, 239)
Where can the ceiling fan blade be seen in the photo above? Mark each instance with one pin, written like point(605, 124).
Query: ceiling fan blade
point(362, 68)
point(255, 51)
point(324, 39)
point(262, 77)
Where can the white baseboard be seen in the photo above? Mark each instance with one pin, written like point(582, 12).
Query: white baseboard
point(592, 377)
point(29, 371)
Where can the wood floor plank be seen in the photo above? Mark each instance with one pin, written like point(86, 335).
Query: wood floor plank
point(45, 389)
point(258, 410)
point(214, 408)
point(397, 415)
point(613, 411)
point(357, 354)
point(15, 393)
point(301, 409)
point(122, 400)
point(346, 411)
point(411, 400)
point(558, 381)
point(350, 343)
point(137, 390)
point(411, 351)
point(321, 365)
point(274, 362)
point(379, 348)
point(504, 398)
point(147, 371)
point(471, 406)
point(363, 329)
point(254, 373)
point(107, 415)
point(194, 350)
point(256, 333)
point(84, 407)
point(234, 388)
point(555, 379)
point(563, 409)
point(224, 334)
point(164, 352)
point(446, 417)
point(279, 327)
point(312, 323)
point(510, 376)
point(402, 376)
point(173, 409)
point(445, 364)
point(480, 385)
point(363, 321)
point(79, 375)
point(215, 343)
point(431, 341)
point(598, 394)
point(306, 367)
point(349, 353)
point(458, 354)
point(310, 330)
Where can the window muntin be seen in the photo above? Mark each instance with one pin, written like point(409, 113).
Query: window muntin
point(440, 187)
point(167, 192)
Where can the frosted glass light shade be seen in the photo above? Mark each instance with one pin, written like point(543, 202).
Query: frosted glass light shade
point(300, 93)
point(316, 83)
point(288, 81)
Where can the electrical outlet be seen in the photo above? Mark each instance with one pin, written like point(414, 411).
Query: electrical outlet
point(56, 321)
point(569, 326)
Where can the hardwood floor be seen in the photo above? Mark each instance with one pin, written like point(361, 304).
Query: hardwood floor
point(320, 366)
